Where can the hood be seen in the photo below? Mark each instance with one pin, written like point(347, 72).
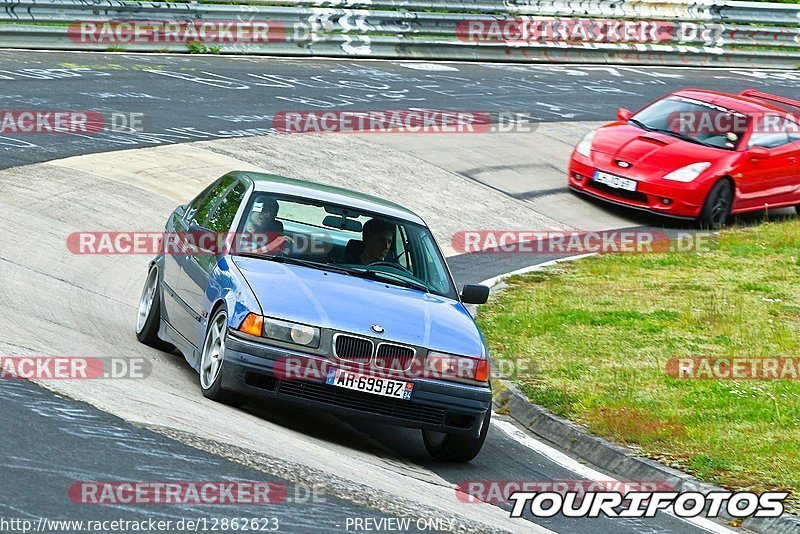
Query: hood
point(653, 150)
point(352, 304)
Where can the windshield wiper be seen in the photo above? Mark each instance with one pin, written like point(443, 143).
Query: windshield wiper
point(647, 128)
point(680, 136)
point(640, 124)
point(295, 261)
point(383, 276)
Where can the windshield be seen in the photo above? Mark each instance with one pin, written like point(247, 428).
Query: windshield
point(332, 237)
point(694, 120)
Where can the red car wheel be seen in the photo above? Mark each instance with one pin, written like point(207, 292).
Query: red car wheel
point(717, 207)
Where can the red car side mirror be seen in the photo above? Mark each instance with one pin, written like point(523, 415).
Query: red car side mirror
point(758, 153)
point(624, 114)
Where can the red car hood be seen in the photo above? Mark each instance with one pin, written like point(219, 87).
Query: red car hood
point(654, 150)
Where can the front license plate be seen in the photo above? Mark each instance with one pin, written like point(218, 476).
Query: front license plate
point(617, 182)
point(385, 387)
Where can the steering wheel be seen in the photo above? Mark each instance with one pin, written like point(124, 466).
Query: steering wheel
point(384, 263)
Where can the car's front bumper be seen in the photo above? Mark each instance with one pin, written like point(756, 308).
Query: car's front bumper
point(671, 199)
point(258, 369)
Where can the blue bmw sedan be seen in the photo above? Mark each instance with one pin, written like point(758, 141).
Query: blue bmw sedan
point(334, 300)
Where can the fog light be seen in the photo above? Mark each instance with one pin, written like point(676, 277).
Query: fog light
point(666, 201)
point(577, 176)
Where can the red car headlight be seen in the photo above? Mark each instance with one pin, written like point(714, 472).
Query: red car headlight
point(688, 173)
point(584, 148)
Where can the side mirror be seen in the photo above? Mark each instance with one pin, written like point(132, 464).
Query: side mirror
point(474, 294)
point(202, 239)
point(624, 114)
point(758, 153)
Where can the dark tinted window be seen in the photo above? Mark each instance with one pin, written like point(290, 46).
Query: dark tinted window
point(221, 218)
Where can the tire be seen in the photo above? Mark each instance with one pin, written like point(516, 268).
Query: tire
point(455, 447)
point(149, 315)
point(212, 359)
point(717, 207)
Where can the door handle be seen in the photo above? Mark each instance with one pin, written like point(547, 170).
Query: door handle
point(793, 160)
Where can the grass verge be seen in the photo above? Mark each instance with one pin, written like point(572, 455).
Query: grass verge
point(601, 330)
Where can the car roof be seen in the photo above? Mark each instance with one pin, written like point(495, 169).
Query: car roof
point(740, 103)
point(281, 185)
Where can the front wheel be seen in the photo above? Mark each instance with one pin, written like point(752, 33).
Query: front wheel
point(211, 362)
point(717, 207)
point(455, 447)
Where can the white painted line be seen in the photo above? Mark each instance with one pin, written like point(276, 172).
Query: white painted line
point(552, 454)
point(589, 473)
point(431, 66)
point(496, 279)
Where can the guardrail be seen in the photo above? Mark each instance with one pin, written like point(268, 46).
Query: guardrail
point(664, 32)
point(711, 10)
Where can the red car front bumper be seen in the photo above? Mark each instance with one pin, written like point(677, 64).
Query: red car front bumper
point(653, 193)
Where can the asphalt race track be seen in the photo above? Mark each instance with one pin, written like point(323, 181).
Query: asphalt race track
point(52, 303)
point(186, 98)
point(52, 442)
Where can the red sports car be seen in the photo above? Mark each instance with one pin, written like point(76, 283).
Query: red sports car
point(695, 154)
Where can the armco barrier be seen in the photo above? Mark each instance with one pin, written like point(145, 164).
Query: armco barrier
point(705, 32)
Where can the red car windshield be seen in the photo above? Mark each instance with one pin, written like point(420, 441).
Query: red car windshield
point(694, 120)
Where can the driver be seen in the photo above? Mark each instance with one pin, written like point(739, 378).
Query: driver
point(377, 236)
point(263, 220)
point(262, 230)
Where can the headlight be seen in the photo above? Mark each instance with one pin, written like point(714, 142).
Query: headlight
point(288, 332)
point(688, 173)
point(584, 148)
point(299, 334)
point(458, 368)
